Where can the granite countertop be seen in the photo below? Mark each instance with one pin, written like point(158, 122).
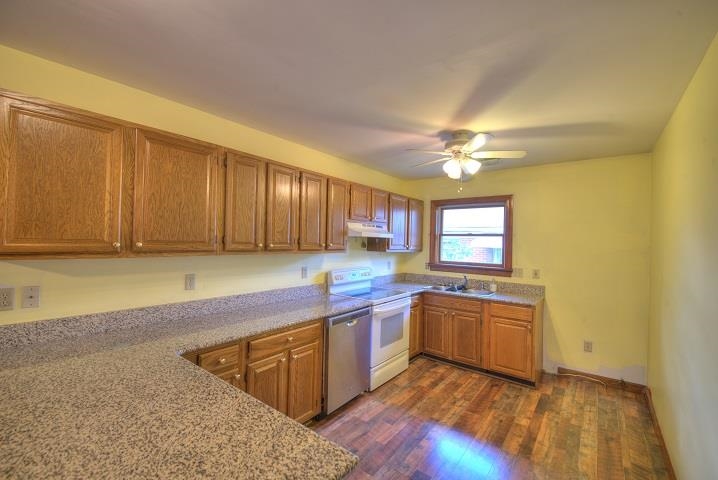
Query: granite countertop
point(529, 299)
point(122, 403)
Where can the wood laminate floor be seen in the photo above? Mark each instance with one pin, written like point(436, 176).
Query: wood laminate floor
point(440, 421)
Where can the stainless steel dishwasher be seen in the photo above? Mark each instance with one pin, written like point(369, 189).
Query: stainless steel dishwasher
point(347, 357)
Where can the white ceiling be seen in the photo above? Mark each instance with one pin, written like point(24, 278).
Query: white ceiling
point(365, 80)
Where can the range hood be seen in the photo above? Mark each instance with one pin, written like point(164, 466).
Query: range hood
point(373, 230)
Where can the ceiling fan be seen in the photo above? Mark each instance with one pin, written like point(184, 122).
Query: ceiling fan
point(461, 153)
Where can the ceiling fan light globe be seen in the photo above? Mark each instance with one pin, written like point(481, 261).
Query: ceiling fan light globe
point(471, 166)
point(452, 168)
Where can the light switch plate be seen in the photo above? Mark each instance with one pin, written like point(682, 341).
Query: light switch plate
point(30, 297)
point(189, 281)
point(7, 298)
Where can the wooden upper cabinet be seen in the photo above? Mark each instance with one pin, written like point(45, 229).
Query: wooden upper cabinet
point(379, 206)
point(245, 197)
point(61, 180)
point(282, 207)
point(360, 203)
point(312, 212)
point(415, 221)
point(338, 199)
point(398, 209)
point(175, 197)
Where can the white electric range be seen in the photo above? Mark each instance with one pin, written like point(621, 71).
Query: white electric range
point(389, 344)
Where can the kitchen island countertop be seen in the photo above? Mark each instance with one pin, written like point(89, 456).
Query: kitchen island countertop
point(123, 403)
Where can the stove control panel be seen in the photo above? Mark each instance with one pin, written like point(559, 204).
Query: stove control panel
point(350, 275)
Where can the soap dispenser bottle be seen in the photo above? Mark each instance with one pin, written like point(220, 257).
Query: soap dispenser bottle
point(492, 286)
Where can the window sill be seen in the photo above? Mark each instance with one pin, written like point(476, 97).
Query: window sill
point(444, 267)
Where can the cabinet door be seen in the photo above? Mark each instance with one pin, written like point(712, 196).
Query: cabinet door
point(267, 380)
point(510, 349)
point(416, 330)
point(360, 203)
point(312, 211)
point(437, 331)
point(337, 214)
point(282, 207)
point(416, 219)
point(61, 181)
point(379, 206)
point(175, 194)
point(398, 208)
point(305, 382)
point(244, 203)
point(466, 328)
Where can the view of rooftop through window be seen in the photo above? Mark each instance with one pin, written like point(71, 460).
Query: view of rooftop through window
point(472, 235)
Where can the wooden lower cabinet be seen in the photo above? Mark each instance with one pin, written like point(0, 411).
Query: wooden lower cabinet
point(267, 380)
point(305, 382)
point(452, 328)
point(516, 340)
point(510, 347)
point(416, 327)
point(437, 331)
point(466, 336)
point(285, 370)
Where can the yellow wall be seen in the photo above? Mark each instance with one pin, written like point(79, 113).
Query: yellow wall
point(585, 225)
point(84, 286)
point(683, 345)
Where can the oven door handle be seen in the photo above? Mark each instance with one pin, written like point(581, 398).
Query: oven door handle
point(396, 305)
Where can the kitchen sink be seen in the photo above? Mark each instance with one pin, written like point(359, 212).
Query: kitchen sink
point(474, 292)
point(441, 288)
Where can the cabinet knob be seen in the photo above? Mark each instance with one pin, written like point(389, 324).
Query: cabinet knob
point(260, 245)
point(238, 376)
point(324, 244)
point(331, 244)
point(116, 245)
point(138, 244)
point(290, 339)
point(222, 361)
point(284, 359)
point(271, 245)
point(295, 357)
point(407, 245)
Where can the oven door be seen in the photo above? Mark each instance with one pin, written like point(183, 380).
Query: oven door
point(389, 330)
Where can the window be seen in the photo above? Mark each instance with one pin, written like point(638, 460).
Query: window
point(472, 235)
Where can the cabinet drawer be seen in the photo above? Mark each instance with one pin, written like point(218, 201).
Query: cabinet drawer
point(511, 311)
point(220, 359)
point(453, 302)
point(270, 344)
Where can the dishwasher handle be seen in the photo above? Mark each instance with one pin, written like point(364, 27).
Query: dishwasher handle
point(349, 317)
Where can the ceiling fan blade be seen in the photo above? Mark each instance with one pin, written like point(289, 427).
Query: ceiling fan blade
point(478, 141)
point(433, 161)
point(426, 151)
point(499, 154)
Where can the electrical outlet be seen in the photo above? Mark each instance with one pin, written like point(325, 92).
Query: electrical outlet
point(304, 272)
point(426, 266)
point(388, 265)
point(7, 298)
point(518, 272)
point(189, 281)
point(588, 346)
point(30, 297)
point(535, 273)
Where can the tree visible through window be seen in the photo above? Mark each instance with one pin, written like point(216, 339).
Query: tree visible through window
point(472, 235)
